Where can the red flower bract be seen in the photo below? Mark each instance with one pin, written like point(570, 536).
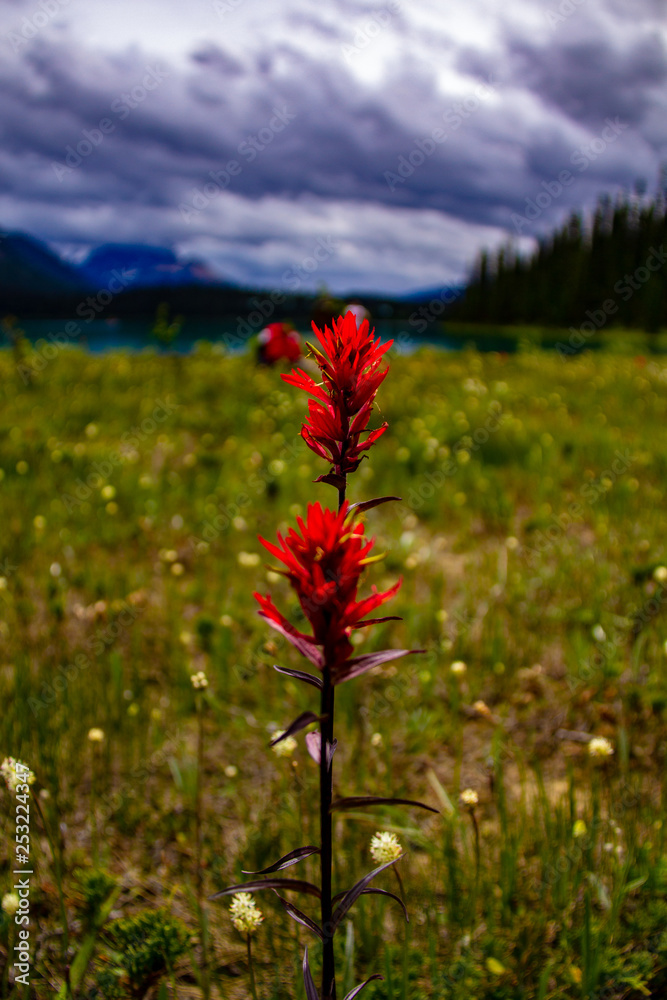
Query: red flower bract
point(324, 561)
point(338, 415)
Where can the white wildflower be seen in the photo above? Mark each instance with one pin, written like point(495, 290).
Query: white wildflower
point(286, 747)
point(16, 773)
point(10, 903)
point(245, 914)
point(385, 847)
point(600, 746)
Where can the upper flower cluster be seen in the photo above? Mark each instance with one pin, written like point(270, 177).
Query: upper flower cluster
point(246, 916)
point(338, 414)
point(16, 773)
point(324, 561)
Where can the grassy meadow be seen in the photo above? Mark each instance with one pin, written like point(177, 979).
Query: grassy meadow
point(531, 542)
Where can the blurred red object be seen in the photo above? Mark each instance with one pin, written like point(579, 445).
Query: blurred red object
point(278, 342)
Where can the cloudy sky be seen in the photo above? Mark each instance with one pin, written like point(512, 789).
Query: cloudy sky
point(401, 137)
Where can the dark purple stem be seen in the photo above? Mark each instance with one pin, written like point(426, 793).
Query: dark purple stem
point(326, 795)
point(326, 858)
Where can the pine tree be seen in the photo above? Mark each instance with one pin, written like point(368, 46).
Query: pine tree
point(612, 254)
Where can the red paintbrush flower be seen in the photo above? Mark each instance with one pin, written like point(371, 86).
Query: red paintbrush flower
point(324, 561)
point(349, 360)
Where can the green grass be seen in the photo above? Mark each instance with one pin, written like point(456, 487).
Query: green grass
point(531, 526)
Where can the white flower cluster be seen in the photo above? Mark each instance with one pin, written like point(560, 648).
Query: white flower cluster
point(286, 747)
point(8, 770)
point(385, 847)
point(10, 903)
point(600, 746)
point(469, 798)
point(245, 914)
point(199, 680)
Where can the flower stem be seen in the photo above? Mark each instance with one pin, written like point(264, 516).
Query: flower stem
point(326, 794)
point(93, 809)
point(326, 857)
point(199, 882)
point(475, 826)
point(251, 968)
point(56, 854)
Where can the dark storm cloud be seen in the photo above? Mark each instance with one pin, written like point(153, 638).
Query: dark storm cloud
point(592, 79)
point(332, 137)
point(300, 123)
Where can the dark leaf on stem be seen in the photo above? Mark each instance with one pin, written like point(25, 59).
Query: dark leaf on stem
point(301, 917)
point(311, 992)
point(369, 504)
point(385, 892)
point(379, 892)
point(353, 894)
point(300, 675)
point(295, 884)
point(332, 479)
point(305, 719)
point(290, 859)
point(331, 749)
point(314, 747)
point(378, 621)
point(357, 989)
point(360, 801)
point(303, 644)
point(360, 664)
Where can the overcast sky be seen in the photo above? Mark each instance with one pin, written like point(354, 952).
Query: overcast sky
point(402, 136)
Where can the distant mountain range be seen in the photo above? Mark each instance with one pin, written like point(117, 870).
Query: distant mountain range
point(35, 281)
point(145, 267)
point(30, 267)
